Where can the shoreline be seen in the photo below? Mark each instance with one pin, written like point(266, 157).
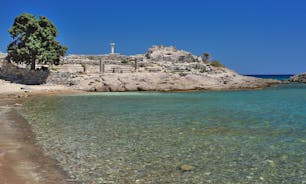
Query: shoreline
point(22, 160)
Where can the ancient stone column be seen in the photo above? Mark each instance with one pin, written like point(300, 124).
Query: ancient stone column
point(102, 66)
point(100, 62)
point(136, 64)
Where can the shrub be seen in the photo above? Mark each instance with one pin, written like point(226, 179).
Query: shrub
point(216, 63)
point(205, 57)
point(84, 67)
point(202, 70)
point(183, 74)
point(124, 61)
point(54, 69)
point(91, 57)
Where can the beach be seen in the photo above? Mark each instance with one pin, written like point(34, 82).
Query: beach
point(22, 160)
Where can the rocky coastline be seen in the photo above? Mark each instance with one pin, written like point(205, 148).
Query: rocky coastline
point(159, 69)
point(301, 78)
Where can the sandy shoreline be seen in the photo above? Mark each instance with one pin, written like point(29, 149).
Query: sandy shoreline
point(23, 161)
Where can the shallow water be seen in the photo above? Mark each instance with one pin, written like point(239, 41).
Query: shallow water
point(227, 137)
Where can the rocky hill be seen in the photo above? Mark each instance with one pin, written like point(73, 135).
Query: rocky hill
point(159, 69)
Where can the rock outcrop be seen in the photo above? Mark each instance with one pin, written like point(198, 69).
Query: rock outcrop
point(162, 81)
point(2, 57)
point(171, 54)
point(298, 78)
point(169, 69)
point(159, 69)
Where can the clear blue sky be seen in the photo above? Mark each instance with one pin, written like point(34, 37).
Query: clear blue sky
point(249, 36)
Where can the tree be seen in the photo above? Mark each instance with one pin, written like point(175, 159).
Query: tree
point(205, 57)
point(34, 41)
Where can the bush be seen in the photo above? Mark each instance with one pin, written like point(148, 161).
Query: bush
point(91, 57)
point(183, 74)
point(54, 69)
point(205, 57)
point(124, 61)
point(202, 70)
point(84, 67)
point(216, 63)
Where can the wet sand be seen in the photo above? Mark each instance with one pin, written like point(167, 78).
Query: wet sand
point(22, 161)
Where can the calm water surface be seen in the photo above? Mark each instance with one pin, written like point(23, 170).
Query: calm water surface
point(227, 137)
point(276, 77)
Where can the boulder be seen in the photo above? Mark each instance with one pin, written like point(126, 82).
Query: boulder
point(298, 78)
point(171, 54)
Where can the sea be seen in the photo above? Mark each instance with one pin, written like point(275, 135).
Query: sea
point(248, 136)
point(273, 76)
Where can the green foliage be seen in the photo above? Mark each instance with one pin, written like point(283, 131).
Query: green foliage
point(216, 63)
point(202, 70)
point(91, 57)
point(125, 61)
point(205, 57)
point(34, 41)
point(54, 69)
point(183, 74)
point(84, 67)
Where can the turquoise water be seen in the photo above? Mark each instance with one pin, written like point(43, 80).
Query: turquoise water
point(227, 137)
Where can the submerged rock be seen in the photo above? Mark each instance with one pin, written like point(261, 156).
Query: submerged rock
point(186, 168)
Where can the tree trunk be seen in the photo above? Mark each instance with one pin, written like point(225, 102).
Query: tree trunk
point(33, 64)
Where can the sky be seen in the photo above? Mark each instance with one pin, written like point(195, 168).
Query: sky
point(248, 36)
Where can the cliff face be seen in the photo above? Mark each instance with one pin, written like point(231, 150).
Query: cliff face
point(159, 69)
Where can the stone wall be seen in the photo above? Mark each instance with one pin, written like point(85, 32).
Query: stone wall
point(156, 59)
point(65, 74)
point(94, 59)
point(62, 78)
point(13, 73)
point(2, 58)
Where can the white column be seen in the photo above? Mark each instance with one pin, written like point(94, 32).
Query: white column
point(112, 48)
